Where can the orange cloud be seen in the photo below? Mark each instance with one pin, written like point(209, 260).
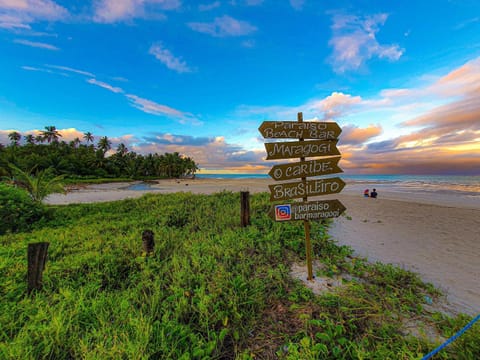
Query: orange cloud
point(352, 134)
point(335, 105)
point(461, 81)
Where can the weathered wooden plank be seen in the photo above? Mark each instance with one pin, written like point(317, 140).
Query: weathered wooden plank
point(312, 210)
point(299, 149)
point(301, 189)
point(296, 170)
point(300, 130)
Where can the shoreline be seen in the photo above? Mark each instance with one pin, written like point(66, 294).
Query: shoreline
point(434, 234)
point(118, 191)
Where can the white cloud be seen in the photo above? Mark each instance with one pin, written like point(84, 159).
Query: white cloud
point(69, 69)
point(33, 68)
point(335, 105)
point(224, 26)
point(465, 79)
point(152, 107)
point(12, 22)
point(104, 85)
point(41, 9)
point(36, 44)
point(208, 7)
point(19, 14)
point(297, 4)
point(110, 11)
point(168, 59)
point(354, 42)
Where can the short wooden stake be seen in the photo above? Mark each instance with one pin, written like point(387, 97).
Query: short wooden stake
point(37, 257)
point(148, 241)
point(244, 208)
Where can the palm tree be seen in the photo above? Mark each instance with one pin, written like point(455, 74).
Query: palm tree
point(40, 185)
point(121, 149)
point(15, 137)
point(172, 164)
point(30, 139)
point(75, 142)
point(39, 139)
point(88, 136)
point(104, 144)
point(190, 166)
point(51, 134)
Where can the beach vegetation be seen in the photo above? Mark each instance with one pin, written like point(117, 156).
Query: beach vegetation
point(38, 184)
point(18, 210)
point(76, 160)
point(210, 290)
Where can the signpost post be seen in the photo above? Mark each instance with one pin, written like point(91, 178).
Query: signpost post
point(322, 142)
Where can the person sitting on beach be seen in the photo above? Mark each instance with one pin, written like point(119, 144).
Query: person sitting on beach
point(365, 193)
point(373, 194)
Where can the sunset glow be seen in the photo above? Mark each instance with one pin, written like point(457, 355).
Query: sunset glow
point(200, 78)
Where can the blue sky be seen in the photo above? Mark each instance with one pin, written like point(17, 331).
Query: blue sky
point(401, 78)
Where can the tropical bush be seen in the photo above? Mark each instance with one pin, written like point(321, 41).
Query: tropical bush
point(18, 210)
point(40, 184)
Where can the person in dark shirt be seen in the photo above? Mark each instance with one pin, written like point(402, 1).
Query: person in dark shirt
point(373, 194)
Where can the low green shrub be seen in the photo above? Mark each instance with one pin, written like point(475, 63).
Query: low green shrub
point(17, 209)
point(210, 290)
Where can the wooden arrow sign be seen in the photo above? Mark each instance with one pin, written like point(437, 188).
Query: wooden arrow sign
point(297, 149)
point(302, 189)
point(324, 166)
point(312, 210)
point(300, 130)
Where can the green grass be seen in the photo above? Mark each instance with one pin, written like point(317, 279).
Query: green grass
point(88, 180)
point(211, 289)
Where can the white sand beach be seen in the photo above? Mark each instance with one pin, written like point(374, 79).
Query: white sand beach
point(435, 234)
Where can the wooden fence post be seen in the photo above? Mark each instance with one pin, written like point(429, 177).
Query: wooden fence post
point(37, 257)
point(148, 241)
point(244, 208)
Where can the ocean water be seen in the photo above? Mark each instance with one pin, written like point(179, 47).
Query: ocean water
point(426, 183)
point(232, 176)
point(142, 186)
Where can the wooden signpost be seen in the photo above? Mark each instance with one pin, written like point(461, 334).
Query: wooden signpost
point(299, 130)
point(323, 140)
point(312, 210)
point(301, 169)
point(301, 189)
point(299, 149)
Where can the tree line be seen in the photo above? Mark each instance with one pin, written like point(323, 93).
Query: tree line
point(82, 158)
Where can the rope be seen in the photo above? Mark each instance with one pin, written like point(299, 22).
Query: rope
point(452, 339)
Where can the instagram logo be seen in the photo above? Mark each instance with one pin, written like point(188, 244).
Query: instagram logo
point(283, 212)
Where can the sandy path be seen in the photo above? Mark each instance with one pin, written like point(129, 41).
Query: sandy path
point(436, 235)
